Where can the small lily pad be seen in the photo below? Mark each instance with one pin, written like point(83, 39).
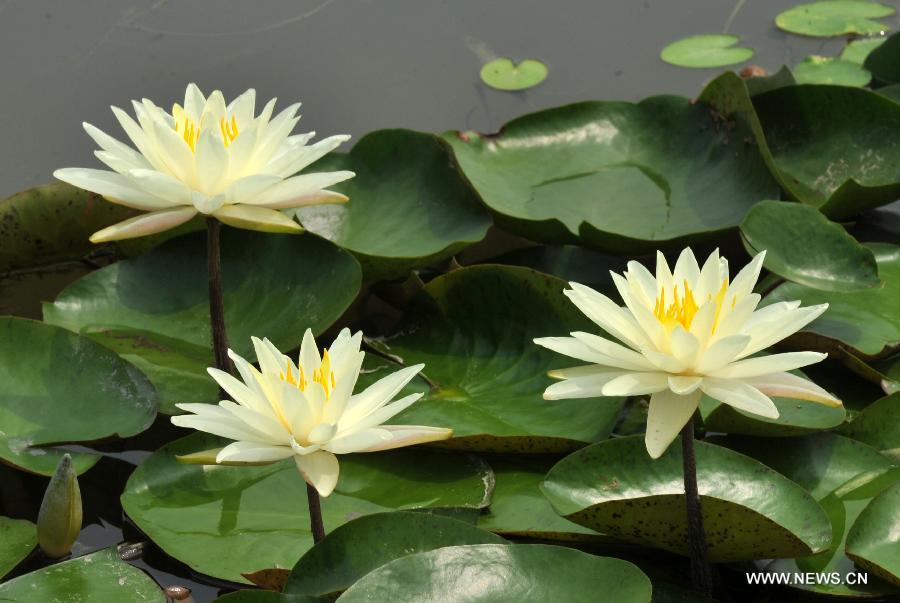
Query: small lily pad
point(707, 50)
point(817, 69)
point(503, 74)
point(834, 18)
point(858, 50)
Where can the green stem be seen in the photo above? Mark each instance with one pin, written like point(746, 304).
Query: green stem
point(701, 574)
point(216, 305)
point(315, 514)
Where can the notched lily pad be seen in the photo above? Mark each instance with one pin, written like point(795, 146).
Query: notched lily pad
point(857, 51)
point(749, 510)
point(817, 69)
point(504, 74)
point(707, 50)
point(474, 329)
point(834, 18)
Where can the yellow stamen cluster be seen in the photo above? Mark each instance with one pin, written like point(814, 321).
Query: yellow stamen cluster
point(323, 375)
point(189, 131)
point(684, 307)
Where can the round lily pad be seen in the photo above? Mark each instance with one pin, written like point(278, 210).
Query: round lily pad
point(872, 541)
point(803, 246)
point(878, 425)
point(474, 329)
point(227, 521)
point(496, 573)
point(362, 545)
point(834, 18)
point(408, 206)
point(17, 539)
point(54, 385)
point(100, 576)
point(623, 177)
point(817, 69)
point(749, 511)
point(866, 321)
point(154, 310)
point(883, 61)
point(504, 74)
point(857, 51)
point(708, 50)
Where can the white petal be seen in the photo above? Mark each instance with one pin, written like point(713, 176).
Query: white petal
point(587, 385)
point(740, 395)
point(211, 162)
point(161, 185)
point(248, 188)
point(256, 218)
point(607, 314)
point(617, 355)
point(310, 359)
point(377, 395)
point(299, 186)
point(320, 470)
point(787, 385)
point(115, 187)
point(119, 149)
point(409, 435)
point(636, 384)
point(270, 360)
point(769, 333)
point(253, 452)
point(721, 353)
point(358, 441)
point(743, 283)
point(146, 224)
point(667, 416)
point(238, 391)
point(684, 346)
point(684, 384)
point(386, 412)
point(686, 269)
point(296, 159)
point(776, 363)
point(217, 421)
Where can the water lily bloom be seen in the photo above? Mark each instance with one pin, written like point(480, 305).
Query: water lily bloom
point(681, 333)
point(206, 157)
point(307, 410)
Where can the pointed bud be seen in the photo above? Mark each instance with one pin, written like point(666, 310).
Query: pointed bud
point(59, 520)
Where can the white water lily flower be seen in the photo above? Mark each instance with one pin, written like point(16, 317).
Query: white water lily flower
point(209, 158)
point(683, 333)
point(307, 410)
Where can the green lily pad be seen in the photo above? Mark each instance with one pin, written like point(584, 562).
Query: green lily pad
point(763, 83)
point(856, 51)
point(803, 246)
point(623, 177)
point(570, 263)
point(52, 223)
point(833, 147)
point(817, 69)
point(225, 521)
point(519, 509)
point(408, 206)
point(94, 578)
point(154, 310)
point(843, 507)
point(820, 462)
point(749, 510)
point(17, 539)
point(878, 425)
point(362, 545)
point(266, 596)
point(866, 321)
point(496, 573)
point(882, 61)
point(834, 18)
point(54, 385)
point(474, 329)
point(504, 74)
point(707, 50)
point(872, 541)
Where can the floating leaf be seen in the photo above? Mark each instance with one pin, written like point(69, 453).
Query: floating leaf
point(686, 170)
point(503, 74)
point(834, 18)
point(883, 61)
point(570, 263)
point(872, 541)
point(17, 539)
point(518, 508)
point(803, 246)
point(708, 50)
point(488, 573)
point(817, 69)
point(154, 310)
point(362, 545)
point(878, 425)
point(100, 576)
point(54, 385)
point(409, 207)
point(266, 596)
point(749, 511)
point(856, 51)
point(866, 320)
point(224, 521)
point(474, 329)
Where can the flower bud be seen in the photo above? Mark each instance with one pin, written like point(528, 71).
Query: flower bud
point(59, 520)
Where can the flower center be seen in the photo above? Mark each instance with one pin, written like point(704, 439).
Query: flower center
point(323, 375)
point(682, 309)
point(188, 130)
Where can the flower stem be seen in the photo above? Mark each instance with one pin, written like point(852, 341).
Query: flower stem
point(216, 305)
point(315, 514)
point(701, 575)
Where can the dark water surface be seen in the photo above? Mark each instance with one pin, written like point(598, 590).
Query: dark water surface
point(357, 65)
